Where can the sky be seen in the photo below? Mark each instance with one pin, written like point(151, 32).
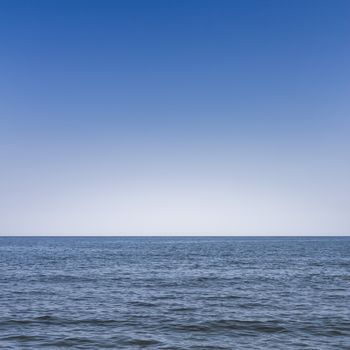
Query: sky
point(177, 117)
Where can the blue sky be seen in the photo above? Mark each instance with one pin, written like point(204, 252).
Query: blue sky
point(175, 117)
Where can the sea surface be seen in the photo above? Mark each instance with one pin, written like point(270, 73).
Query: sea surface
point(175, 293)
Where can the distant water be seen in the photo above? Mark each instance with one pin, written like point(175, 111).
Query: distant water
point(175, 293)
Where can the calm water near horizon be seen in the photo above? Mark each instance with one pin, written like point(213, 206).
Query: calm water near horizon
point(175, 293)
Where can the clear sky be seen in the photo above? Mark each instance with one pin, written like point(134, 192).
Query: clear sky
point(175, 117)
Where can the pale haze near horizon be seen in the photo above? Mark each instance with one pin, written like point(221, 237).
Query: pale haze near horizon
point(174, 118)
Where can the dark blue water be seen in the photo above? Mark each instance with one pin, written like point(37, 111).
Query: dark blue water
point(175, 293)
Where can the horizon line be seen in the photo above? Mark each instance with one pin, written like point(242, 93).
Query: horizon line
point(171, 235)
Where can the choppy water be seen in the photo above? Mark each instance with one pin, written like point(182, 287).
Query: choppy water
point(175, 293)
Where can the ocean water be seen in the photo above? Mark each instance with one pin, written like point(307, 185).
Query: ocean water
point(175, 293)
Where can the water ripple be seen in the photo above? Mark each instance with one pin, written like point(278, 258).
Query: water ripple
point(174, 293)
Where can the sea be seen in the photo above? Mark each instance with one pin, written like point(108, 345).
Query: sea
point(175, 293)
